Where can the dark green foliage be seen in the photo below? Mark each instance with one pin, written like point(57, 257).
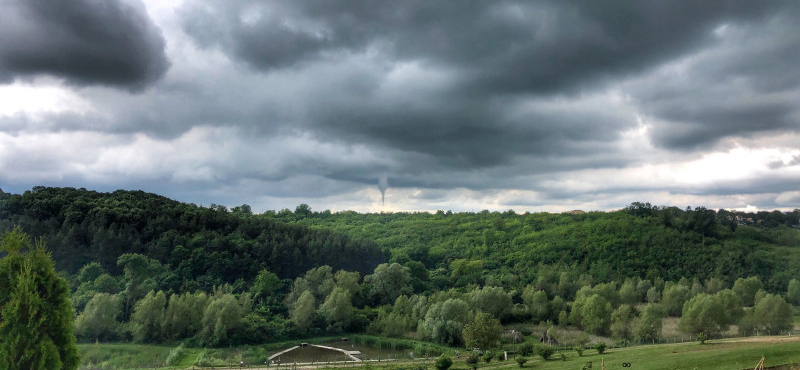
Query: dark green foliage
point(36, 318)
point(203, 246)
point(488, 356)
point(579, 350)
point(443, 362)
point(521, 361)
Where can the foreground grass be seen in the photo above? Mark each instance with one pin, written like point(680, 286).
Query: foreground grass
point(715, 355)
point(735, 354)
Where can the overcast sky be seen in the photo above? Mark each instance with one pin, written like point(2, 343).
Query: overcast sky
point(460, 105)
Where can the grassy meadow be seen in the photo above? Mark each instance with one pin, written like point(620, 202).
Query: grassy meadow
point(731, 354)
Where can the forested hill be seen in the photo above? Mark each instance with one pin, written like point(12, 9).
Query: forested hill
point(204, 247)
point(208, 246)
point(645, 241)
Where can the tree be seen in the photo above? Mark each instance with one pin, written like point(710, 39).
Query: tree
point(703, 314)
point(494, 300)
point(98, 321)
point(184, 315)
point(536, 302)
point(388, 282)
point(265, 285)
point(596, 315)
point(148, 317)
point(221, 320)
point(303, 311)
point(36, 317)
point(673, 298)
point(621, 321)
point(773, 314)
point(444, 322)
point(337, 308)
point(747, 289)
point(647, 327)
point(793, 292)
point(484, 332)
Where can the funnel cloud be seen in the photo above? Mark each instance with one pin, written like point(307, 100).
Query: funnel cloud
point(383, 184)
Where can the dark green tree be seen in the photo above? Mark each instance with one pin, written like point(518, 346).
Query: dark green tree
point(36, 318)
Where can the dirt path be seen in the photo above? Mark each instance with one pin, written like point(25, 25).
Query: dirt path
point(766, 339)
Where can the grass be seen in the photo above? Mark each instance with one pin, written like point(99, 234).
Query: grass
point(736, 354)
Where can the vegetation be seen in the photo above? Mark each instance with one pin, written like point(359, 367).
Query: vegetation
point(36, 328)
point(146, 269)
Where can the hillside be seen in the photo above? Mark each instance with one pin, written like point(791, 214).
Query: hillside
point(203, 246)
point(639, 241)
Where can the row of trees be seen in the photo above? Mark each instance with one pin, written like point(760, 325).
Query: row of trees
point(326, 302)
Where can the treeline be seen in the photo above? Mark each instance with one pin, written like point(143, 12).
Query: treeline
point(513, 250)
point(200, 247)
point(324, 302)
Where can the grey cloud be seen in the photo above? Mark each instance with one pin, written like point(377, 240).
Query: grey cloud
point(86, 42)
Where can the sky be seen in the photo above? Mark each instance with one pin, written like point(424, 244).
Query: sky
point(446, 105)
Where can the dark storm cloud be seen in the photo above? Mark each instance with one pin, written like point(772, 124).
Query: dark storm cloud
point(499, 46)
point(86, 42)
point(745, 84)
point(496, 56)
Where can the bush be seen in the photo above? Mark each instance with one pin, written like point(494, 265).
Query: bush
point(544, 351)
point(526, 349)
point(587, 366)
point(443, 362)
point(174, 355)
point(488, 356)
point(521, 361)
point(600, 347)
point(472, 360)
point(579, 349)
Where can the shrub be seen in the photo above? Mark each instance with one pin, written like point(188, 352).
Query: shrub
point(526, 349)
point(545, 351)
point(174, 355)
point(443, 362)
point(579, 349)
point(521, 361)
point(488, 356)
point(600, 347)
point(472, 360)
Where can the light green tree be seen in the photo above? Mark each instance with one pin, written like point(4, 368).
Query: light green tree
point(338, 307)
point(703, 314)
point(494, 301)
point(596, 315)
point(99, 320)
point(622, 321)
point(221, 319)
point(673, 298)
point(536, 302)
point(483, 332)
point(773, 314)
point(303, 311)
point(444, 322)
point(647, 327)
point(148, 317)
point(184, 315)
point(36, 317)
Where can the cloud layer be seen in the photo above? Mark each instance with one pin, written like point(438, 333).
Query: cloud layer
point(463, 105)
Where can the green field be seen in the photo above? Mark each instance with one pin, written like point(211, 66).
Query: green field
point(736, 354)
